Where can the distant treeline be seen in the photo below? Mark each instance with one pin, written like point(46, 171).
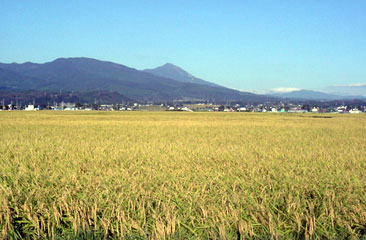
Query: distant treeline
point(49, 98)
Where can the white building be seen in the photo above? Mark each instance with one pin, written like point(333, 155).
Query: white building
point(314, 110)
point(354, 111)
point(186, 109)
point(341, 109)
point(30, 108)
point(70, 109)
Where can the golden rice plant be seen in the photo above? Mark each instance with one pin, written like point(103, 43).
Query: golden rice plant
point(166, 175)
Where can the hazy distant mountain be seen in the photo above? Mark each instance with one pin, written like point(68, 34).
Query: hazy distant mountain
point(171, 71)
point(311, 95)
point(347, 89)
point(86, 74)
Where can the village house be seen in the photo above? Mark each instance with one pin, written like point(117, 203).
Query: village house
point(30, 108)
point(355, 111)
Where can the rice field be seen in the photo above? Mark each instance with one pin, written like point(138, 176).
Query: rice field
point(175, 175)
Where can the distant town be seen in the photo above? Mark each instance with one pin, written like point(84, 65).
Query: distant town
point(281, 107)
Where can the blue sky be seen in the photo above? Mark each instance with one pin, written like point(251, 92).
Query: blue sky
point(248, 45)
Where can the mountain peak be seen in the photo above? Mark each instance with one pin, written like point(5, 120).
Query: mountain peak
point(169, 65)
point(174, 72)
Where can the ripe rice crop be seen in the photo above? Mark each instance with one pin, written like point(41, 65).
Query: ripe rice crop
point(174, 175)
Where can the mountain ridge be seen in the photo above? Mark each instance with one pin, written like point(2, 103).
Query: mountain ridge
point(87, 74)
point(304, 94)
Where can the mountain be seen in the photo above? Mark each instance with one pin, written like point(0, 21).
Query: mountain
point(87, 74)
point(171, 71)
point(347, 89)
point(11, 80)
point(311, 95)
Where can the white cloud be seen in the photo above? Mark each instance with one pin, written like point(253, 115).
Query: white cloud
point(284, 90)
point(352, 85)
point(258, 91)
point(250, 90)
